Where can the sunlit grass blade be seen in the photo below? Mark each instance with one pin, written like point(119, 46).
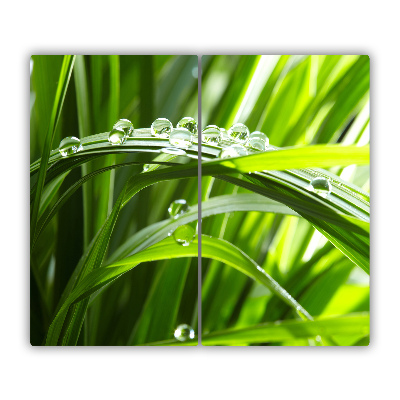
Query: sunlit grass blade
point(349, 325)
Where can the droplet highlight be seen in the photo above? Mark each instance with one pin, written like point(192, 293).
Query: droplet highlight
point(146, 167)
point(125, 125)
point(184, 332)
point(211, 134)
point(321, 186)
point(184, 235)
point(117, 137)
point(178, 208)
point(235, 150)
point(258, 141)
point(181, 138)
point(239, 133)
point(224, 135)
point(69, 145)
point(188, 123)
point(161, 127)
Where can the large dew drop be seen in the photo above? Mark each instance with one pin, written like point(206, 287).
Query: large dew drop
point(117, 136)
point(184, 332)
point(211, 134)
point(235, 150)
point(161, 127)
point(125, 125)
point(178, 208)
point(258, 141)
point(181, 138)
point(188, 123)
point(321, 186)
point(184, 235)
point(69, 145)
point(239, 133)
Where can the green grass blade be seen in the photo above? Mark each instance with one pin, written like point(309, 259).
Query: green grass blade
point(65, 74)
point(356, 324)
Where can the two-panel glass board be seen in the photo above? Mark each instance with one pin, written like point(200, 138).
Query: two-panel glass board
point(242, 220)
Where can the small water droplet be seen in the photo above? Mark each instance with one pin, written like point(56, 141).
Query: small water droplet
point(258, 141)
point(184, 235)
point(188, 123)
point(235, 150)
point(117, 136)
point(161, 127)
point(184, 332)
point(173, 150)
point(321, 186)
point(146, 167)
point(211, 134)
point(69, 145)
point(125, 125)
point(239, 133)
point(178, 208)
point(181, 138)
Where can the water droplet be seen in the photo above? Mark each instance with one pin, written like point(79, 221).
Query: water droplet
point(211, 134)
point(321, 186)
point(161, 127)
point(188, 123)
point(239, 133)
point(181, 138)
point(146, 167)
point(184, 235)
point(117, 136)
point(184, 332)
point(69, 145)
point(125, 125)
point(258, 141)
point(174, 151)
point(178, 208)
point(235, 150)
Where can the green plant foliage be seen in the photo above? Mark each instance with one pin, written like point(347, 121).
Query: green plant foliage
point(279, 260)
point(321, 254)
point(78, 222)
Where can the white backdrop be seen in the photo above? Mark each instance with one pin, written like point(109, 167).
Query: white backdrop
point(207, 27)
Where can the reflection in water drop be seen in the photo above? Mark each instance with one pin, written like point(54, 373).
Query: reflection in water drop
point(173, 150)
point(161, 127)
point(188, 123)
point(178, 208)
point(239, 133)
point(181, 138)
point(117, 136)
point(146, 167)
point(184, 235)
point(69, 145)
point(211, 134)
point(321, 186)
point(125, 125)
point(258, 141)
point(235, 150)
point(184, 332)
point(224, 135)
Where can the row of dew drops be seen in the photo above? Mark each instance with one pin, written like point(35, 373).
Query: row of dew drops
point(182, 137)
